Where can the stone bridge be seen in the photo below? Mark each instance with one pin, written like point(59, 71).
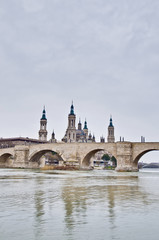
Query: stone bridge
point(79, 154)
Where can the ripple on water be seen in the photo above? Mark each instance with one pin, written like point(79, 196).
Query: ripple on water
point(81, 204)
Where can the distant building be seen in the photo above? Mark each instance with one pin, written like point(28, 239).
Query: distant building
point(72, 134)
point(102, 139)
point(12, 142)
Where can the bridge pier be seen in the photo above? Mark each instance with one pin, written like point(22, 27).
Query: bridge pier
point(21, 157)
point(125, 158)
point(124, 164)
point(70, 156)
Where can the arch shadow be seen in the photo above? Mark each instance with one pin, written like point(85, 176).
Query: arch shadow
point(49, 155)
point(5, 159)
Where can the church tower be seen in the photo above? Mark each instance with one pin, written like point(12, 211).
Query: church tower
point(111, 137)
point(71, 130)
point(85, 129)
point(43, 125)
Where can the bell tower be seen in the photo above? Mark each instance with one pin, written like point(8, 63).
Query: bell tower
point(71, 130)
point(111, 137)
point(43, 126)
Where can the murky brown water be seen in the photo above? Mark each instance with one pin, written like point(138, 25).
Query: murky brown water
point(93, 205)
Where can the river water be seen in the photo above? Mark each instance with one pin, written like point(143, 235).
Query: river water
point(74, 205)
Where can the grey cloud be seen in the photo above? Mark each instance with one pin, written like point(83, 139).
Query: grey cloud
point(103, 54)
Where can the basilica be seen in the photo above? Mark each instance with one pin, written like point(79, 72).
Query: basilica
point(77, 135)
point(72, 133)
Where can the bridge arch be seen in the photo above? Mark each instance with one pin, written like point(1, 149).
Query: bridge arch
point(36, 157)
point(5, 160)
point(86, 160)
point(138, 157)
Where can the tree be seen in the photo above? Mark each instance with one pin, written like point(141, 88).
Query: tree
point(106, 157)
point(114, 161)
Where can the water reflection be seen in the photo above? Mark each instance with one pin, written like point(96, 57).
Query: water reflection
point(39, 200)
point(76, 205)
point(111, 207)
point(108, 197)
point(74, 198)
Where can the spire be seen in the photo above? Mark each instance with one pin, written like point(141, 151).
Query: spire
point(90, 136)
point(53, 135)
point(111, 121)
point(43, 114)
point(85, 125)
point(93, 137)
point(79, 125)
point(72, 109)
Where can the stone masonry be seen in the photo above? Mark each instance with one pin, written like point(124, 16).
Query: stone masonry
point(76, 154)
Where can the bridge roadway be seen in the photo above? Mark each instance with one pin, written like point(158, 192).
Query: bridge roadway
point(79, 154)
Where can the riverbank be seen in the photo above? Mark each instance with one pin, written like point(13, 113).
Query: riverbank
point(69, 168)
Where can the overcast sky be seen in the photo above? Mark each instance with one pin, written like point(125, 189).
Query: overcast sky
point(102, 54)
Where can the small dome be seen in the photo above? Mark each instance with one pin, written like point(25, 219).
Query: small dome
point(44, 115)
